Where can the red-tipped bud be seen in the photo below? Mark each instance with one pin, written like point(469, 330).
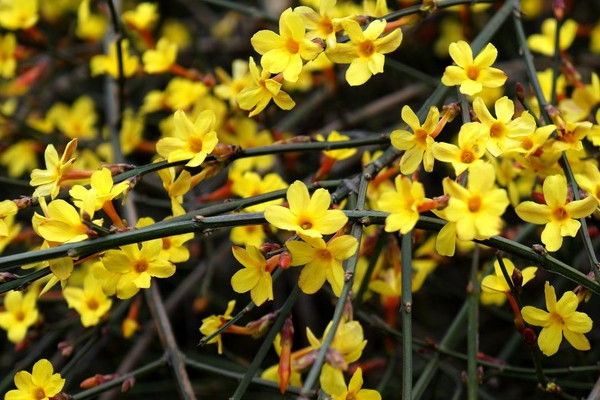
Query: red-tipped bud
point(97, 380)
point(285, 260)
point(127, 384)
point(285, 367)
point(529, 336)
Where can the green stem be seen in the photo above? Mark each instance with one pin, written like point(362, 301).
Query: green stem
point(473, 328)
point(407, 347)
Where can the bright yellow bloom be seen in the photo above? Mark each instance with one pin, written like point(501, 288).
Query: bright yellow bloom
point(181, 93)
point(261, 90)
point(472, 75)
point(544, 42)
point(417, 146)
point(143, 17)
point(90, 27)
point(307, 215)
point(365, 51)
point(347, 346)
point(285, 52)
point(161, 58)
point(471, 147)
point(332, 382)
point(321, 24)
point(132, 131)
point(7, 208)
point(20, 157)
point(322, 261)
point(90, 302)
point(402, 204)
point(502, 131)
point(41, 384)
point(339, 154)
point(18, 14)
point(108, 64)
point(77, 121)
point(560, 319)
point(8, 62)
point(496, 281)
point(254, 277)
point(248, 235)
point(251, 184)
point(175, 187)
point(477, 209)
point(62, 223)
point(20, 314)
point(245, 133)
point(230, 86)
point(557, 214)
point(102, 182)
point(589, 180)
point(214, 322)
point(49, 180)
point(191, 142)
point(173, 247)
point(582, 102)
point(135, 267)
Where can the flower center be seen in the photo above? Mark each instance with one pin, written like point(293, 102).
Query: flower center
point(20, 315)
point(324, 254)
point(166, 243)
point(366, 48)
point(305, 224)
point(92, 304)
point(497, 130)
point(141, 266)
point(421, 137)
point(474, 204)
point(527, 144)
point(195, 144)
point(39, 393)
point(472, 72)
point(556, 319)
point(560, 214)
point(467, 156)
point(292, 46)
point(326, 26)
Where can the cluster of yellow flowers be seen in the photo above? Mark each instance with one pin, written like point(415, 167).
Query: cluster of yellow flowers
point(509, 154)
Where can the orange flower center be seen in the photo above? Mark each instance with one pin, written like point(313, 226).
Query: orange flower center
point(556, 319)
point(141, 266)
point(467, 156)
point(472, 72)
point(92, 304)
point(292, 46)
point(366, 48)
point(326, 26)
point(39, 393)
point(527, 143)
point(497, 130)
point(560, 214)
point(421, 137)
point(305, 224)
point(166, 243)
point(324, 254)
point(20, 315)
point(195, 144)
point(474, 204)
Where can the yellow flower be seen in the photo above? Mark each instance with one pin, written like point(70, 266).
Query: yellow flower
point(245, 133)
point(365, 51)
point(557, 214)
point(322, 261)
point(175, 187)
point(477, 209)
point(7, 208)
point(321, 24)
point(472, 75)
point(261, 90)
point(77, 121)
point(214, 322)
point(20, 157)
point(8, 62)
point(18, 14)
point(496, 281)
point(285, 52)
point(102, 183)
point(248, 235)
point(230, 86)
point(131, 131)
point(108, 64)
point(544, 43)
point(20, 314)
point(307, 215)
point(143, 17)
point(48, 180)
point(339, 154)
point(502, 131)
point(161, 58)
point(90, 26)
point(191, 142)
point(254, 277)
point(560, 319)
point(41, 384)
point(173, 248)
point(135, 267)
point(347, 345)
point(402, 204)
point(332, 382)
point(90, 302)
point(417, 146)
point(471, 147)
point(251, 184)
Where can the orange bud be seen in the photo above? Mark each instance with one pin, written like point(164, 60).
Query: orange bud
point(285, 368)
point(285, 259)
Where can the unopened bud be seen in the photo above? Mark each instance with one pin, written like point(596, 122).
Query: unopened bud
point(97, 380)
point(517, 278)
point(529, 336)
point(520, 89)
point(127, 384)
point(285, 260)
